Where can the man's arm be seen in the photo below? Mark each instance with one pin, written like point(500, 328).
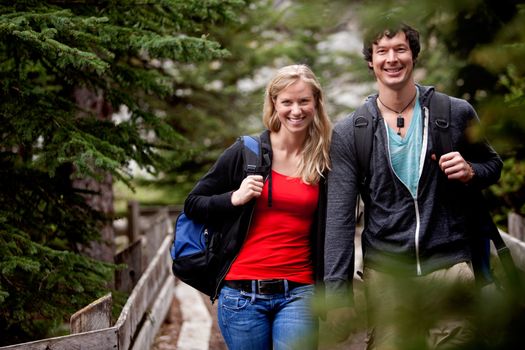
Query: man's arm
point(340, 220)
point(476, 163)
point(340, 232)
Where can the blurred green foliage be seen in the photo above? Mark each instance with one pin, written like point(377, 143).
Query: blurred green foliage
point(411, 307)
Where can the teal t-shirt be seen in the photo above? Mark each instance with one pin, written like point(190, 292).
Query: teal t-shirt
point(405, 152)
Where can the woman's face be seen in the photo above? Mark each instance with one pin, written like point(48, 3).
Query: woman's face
point(295, 107)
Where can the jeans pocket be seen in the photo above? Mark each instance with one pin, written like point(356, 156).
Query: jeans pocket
point(305, 292)
point(234, 303)
point(232, 307)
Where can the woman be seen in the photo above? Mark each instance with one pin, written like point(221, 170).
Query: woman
point(274, 221)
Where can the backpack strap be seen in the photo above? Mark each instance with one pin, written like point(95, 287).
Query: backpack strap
point(440, 122)
point(440, 118)
point(363, 140)
point(251, 154)
point(257, 161)
point(256, 155)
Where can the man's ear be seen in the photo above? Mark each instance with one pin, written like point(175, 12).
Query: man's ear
point(370, 65)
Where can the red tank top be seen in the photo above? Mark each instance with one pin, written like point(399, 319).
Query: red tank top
point(278, 241)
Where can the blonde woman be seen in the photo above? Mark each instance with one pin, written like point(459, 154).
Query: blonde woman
point(271, 224)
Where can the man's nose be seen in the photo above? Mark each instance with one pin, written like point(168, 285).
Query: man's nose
point(391, 55)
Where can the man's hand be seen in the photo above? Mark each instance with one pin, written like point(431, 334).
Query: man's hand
point(251, 187)
point(340, 322)
point(455, 167)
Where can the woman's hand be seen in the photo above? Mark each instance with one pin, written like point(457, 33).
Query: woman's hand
point(251, 187)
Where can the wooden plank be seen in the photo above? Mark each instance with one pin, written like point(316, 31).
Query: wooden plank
point(517, 249)
point(155, 316)
point(149, 210)
point(159, 227)
point(141, 298)
point(102, 339)
point(127, 278)
point(96, 315)
point(516, 224)
point(133, 221)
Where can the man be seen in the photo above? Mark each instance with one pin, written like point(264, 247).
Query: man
point(416, 200)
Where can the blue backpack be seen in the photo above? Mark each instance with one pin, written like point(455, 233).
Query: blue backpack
point(478, 216)
point(194, 251)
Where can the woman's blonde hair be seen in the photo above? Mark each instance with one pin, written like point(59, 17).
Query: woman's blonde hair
point(315, 159)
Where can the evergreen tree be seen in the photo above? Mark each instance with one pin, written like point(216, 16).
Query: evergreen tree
point(53, 56)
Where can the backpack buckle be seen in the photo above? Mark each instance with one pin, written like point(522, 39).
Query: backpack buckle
point(360, 121)
point(441, 123)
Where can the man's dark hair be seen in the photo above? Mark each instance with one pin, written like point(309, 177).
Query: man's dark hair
point(411, 34)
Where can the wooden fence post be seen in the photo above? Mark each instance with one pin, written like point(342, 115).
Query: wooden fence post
point(133, 221)
point(516, 224)
point(127, 278)
point(96, 315)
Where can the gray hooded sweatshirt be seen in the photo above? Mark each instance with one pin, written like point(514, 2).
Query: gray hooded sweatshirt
point(414, 235)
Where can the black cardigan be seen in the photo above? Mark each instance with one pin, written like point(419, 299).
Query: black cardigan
point(210, 202)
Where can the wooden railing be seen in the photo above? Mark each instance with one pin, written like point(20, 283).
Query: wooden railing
point(151, 291)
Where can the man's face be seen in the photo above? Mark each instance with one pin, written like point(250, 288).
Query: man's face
point(392, 61)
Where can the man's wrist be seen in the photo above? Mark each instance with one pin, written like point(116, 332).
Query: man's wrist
point(471, 172)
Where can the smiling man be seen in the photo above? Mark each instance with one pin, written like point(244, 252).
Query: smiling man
point(416, 233)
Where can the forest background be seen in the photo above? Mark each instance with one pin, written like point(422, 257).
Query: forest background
point(106, 101)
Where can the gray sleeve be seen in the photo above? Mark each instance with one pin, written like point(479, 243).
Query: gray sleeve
point(340, 220)
point(486, 163)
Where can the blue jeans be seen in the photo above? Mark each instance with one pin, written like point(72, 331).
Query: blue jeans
point(251, 321)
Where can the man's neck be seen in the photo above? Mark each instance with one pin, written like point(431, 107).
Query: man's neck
point(397, 99)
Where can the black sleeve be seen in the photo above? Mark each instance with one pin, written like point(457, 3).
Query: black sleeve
point(210, 199)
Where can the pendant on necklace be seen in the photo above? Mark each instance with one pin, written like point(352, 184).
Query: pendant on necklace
point(400, 124)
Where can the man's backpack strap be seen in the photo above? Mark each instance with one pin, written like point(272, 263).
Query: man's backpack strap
point(440, 118)
point(363, 140)
point(440, 122)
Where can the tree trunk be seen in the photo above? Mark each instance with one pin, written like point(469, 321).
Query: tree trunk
point(102, 199)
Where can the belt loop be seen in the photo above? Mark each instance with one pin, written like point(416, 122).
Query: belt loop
point(286, 289)
point(254, 290)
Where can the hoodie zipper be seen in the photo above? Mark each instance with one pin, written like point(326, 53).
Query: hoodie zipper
point(424, 144)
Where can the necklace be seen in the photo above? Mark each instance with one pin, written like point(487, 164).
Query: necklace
point(400, 122)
